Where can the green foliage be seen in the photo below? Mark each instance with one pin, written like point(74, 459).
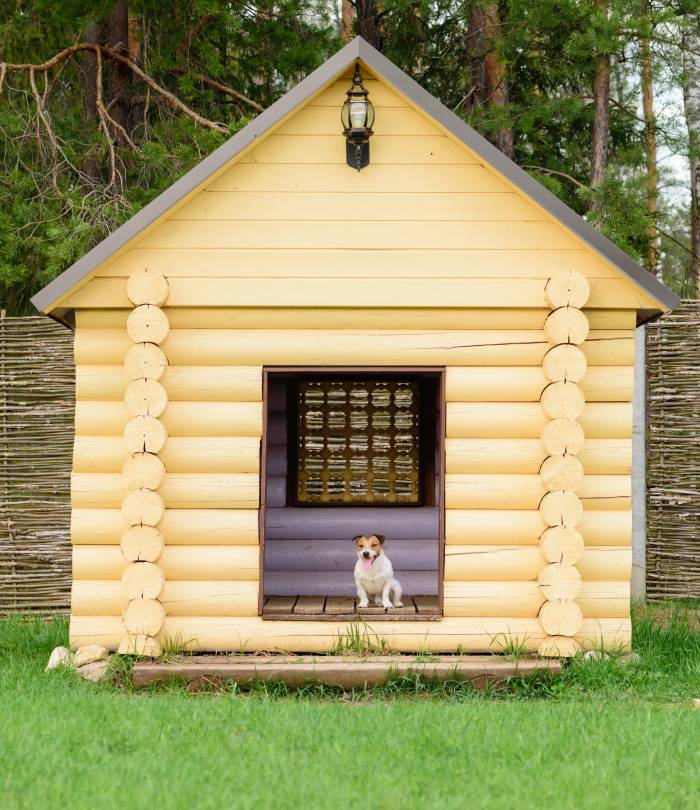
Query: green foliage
point(47, 224)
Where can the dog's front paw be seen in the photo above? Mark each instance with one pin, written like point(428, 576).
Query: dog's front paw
point(363, 603)
point(387, 604)
point(398, 604)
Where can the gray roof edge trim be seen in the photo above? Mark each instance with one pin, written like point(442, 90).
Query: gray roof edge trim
point(199, 174)
point(519, 177)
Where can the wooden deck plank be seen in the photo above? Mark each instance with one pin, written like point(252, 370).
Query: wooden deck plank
point(408, 608)
point(344, 608)
point(341, 671)
point(280, 605)
point(309, 605)
point(371, 610)
point(336, 605)
point(426, 605)
point(349, 617)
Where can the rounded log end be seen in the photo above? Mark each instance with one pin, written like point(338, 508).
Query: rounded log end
point(561, 618)
point(559, 581)
point(145, 361)
point(562, 472)
point(563, 400)
point(561, 508)
point(144, 617)
point(143, 471)
point(566, 325)
point(567, 289)
point(558, 647)
point(562, 436)
point(143, 507)
point(141, 645)
point(147, 287)
point(145, 397)
point(147, 324)
point(145, 434)
point(143, 579)
point(564, 363)
point(142, 544)
point(561, 544)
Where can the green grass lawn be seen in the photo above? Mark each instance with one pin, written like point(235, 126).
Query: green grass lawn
point(606, 734)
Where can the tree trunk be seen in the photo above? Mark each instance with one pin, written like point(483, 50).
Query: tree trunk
point(691, 98)
point(119, 75)
point(346, 18)
point(601, 115)
point(368, 22)
point(90, 165)
point(136, 112)
point(652, 257)
point(476, 53)
point(487, 73)
point(496, 82)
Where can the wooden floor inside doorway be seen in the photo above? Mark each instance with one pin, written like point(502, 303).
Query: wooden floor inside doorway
point(344, 608)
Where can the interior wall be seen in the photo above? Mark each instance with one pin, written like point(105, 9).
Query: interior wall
point(309, 550)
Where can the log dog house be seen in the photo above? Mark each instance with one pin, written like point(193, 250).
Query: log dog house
point(281, 352)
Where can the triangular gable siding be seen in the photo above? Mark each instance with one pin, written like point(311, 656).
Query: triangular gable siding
point(291, 224)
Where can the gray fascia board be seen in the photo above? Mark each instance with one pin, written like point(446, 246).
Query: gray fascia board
point(520, 178)
point(196, 176)
point(357, 49)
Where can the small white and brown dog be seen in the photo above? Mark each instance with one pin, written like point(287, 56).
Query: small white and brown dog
point(374, 575)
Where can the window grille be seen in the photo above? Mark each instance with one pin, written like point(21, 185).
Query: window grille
point(358, 442)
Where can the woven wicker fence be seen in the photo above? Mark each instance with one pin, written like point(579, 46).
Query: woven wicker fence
point(673, 454)
point(36, 448)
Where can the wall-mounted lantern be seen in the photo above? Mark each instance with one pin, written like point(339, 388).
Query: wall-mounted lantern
point(357, 117)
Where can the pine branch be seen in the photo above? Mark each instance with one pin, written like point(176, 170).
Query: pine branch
point(223, 88)
point(108, 53)
point(554, 173)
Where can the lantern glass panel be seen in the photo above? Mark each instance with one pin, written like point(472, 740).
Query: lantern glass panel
point(358, 114)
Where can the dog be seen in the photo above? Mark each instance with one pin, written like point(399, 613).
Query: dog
point(374, 575)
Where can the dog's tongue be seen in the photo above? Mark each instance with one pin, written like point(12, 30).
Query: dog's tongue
point(366, 564)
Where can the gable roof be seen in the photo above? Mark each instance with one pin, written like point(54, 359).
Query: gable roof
point(361, 50)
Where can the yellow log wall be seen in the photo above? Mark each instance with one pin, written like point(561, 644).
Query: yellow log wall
point(427, 257)
point(492, 486)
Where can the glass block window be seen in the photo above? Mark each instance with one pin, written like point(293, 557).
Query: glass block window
point(358, 442)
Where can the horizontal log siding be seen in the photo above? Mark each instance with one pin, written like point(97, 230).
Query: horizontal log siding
point(372, 292)
point(452, 634)
point(266, 268)
point(425, 318)
point(211, 491)
point(214, 419)
point(242, 347)
point(240, 598)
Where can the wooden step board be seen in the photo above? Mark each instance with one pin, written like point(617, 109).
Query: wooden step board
point(344, 671)
point(344, 608)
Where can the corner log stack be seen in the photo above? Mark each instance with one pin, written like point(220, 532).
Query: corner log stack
point(143, 472)
point(562, 475)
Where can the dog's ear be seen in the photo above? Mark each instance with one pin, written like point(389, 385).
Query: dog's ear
point(357, 537)
point(381, 538)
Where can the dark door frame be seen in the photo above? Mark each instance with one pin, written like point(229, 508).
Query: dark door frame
point(438, 371)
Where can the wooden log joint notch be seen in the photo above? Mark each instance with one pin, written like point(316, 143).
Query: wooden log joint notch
point(561, 545)
point(144, 472)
